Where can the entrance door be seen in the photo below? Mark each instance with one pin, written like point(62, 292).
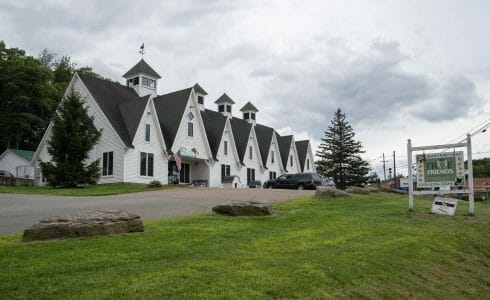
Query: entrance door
point(185, 172)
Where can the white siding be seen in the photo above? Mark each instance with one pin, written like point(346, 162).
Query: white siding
point(255, 162)
point(277, 165)
point(309, 156)
point(231, 159)
point(109, 140)
point(293, 154)
point(199, 139)
point(10, 161)
point(132, 158)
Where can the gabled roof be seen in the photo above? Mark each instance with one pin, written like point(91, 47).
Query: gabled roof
point(284, 147)
point(170, 109)
point(25, 154)
point(249, 107)
point(214, 124)
point(302, 148)
point(264, 139)
point(224, 99)
point(142, 68)
point(199, 90)
point(108, 96)
point(241, 132)
point(131, 113)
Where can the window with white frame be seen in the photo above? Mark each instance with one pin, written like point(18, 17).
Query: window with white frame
point(225, 171)
point(146, 164)
point(147, 133)
point(107, 163)
point(148, 82)
point(190, 129)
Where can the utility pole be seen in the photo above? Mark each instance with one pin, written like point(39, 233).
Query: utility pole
point(394, 168)
point(384, 167)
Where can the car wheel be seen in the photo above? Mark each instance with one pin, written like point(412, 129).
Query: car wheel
point(301, 187)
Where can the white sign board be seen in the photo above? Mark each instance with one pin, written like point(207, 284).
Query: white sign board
point(404, 182)
point(444, 206)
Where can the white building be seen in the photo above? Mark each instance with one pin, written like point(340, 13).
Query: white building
point(17, 163)
point(143, 134)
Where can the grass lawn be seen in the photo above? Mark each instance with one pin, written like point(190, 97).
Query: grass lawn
point(95, 190)
point(367, 246)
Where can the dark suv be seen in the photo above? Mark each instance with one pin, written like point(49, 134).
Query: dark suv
point(295, 181)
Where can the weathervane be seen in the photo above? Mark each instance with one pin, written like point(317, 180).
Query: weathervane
point(142, 49)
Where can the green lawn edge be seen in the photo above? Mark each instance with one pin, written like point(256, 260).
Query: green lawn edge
point(360, 247)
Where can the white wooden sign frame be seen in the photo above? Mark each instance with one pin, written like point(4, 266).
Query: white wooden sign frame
point(469, 191)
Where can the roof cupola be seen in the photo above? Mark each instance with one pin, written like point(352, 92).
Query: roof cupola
point(224, 105)
point(201, 93)
point(143, 79)
point(249, 113)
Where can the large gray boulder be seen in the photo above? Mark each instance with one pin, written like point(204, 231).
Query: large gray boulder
point(329, 192)
point(92, 223)
point(357, 190)
point(244, 209)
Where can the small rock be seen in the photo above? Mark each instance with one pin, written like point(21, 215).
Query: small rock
point(357, 190)
point(329, 192)
point(92, 223)
point(244, 209)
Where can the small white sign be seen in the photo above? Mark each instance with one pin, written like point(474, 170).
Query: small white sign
point(444, 206)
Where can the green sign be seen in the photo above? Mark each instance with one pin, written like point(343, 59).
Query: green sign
point(444, 169)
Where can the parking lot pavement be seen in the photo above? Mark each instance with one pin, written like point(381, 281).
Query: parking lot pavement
point(20, 211)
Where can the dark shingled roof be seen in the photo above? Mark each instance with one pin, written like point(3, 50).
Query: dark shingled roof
point(241, 133)
point(302, 148)
point(198, 89)
point(170, 108)
point(264, 139)
point(224, 99)
point(131, 113)
point(249, 107)
point(214, 123)
point(108, 95)
point(142, 68)
point(284, 147)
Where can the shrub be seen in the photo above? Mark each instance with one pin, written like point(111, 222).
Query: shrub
point(155, 184)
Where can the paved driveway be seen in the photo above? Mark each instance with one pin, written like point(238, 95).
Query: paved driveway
point(19, 211)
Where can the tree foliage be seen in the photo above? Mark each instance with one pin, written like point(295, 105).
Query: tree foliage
point(481, 167)
point(30, 90)
point(73, 136)
point(339, 154)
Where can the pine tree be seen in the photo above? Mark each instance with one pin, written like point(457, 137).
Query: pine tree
point(339, 154)
point(73, 136)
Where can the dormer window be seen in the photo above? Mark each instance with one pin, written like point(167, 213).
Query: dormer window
point(200, 99)
point(228, 108)
point(246, 116)
point(221, 108)
point(253, 116)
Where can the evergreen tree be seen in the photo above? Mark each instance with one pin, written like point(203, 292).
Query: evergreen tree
point(339, 154)
point(73, 136)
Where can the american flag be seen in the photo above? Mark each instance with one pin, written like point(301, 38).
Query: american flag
point(178, 161)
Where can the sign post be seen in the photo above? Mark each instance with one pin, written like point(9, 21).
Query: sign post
point(441, 170)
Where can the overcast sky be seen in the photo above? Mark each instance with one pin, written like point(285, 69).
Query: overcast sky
point(398, 69)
